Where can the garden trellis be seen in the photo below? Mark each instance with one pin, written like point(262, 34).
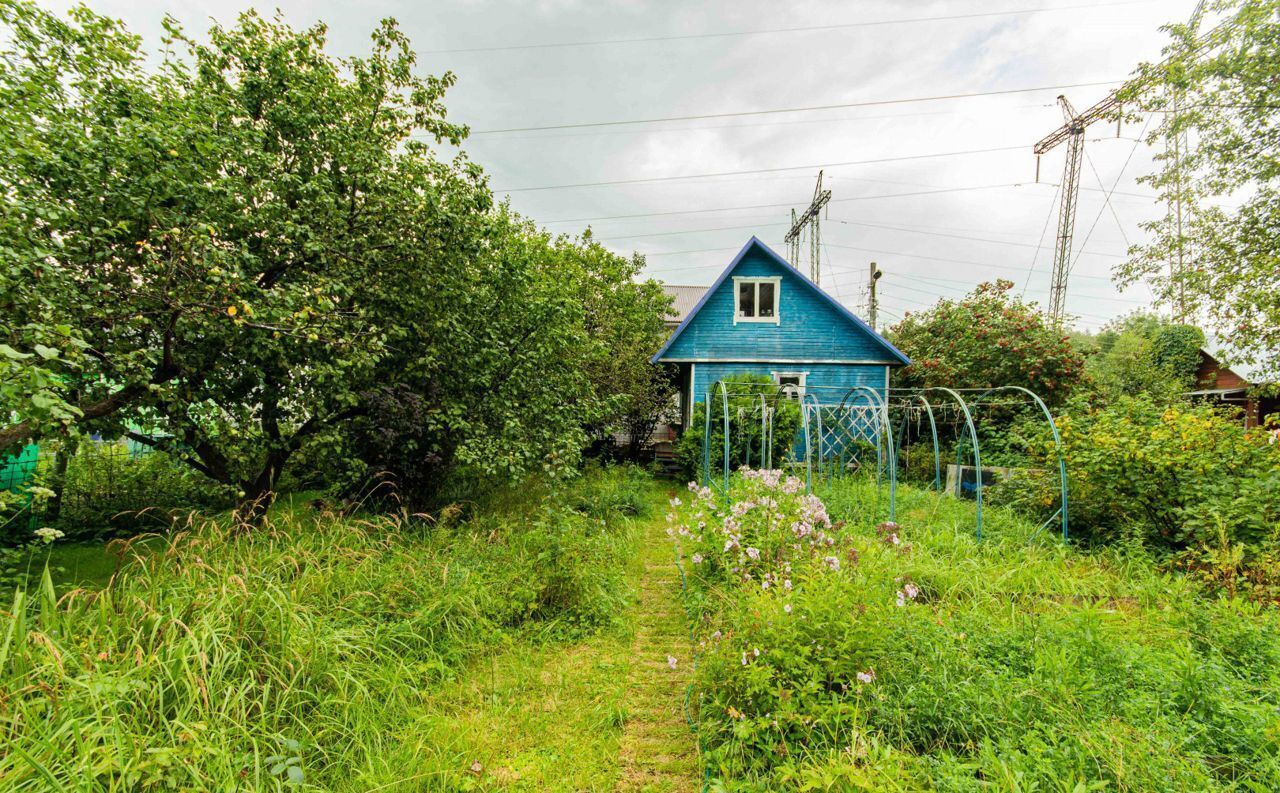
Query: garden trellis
point(842, 429)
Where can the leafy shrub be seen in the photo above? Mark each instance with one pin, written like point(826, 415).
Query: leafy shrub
point(770, 533)
point(941, 663)
point(989, 338)
point(222, 654)
point(745, 392)
point(1167, 476)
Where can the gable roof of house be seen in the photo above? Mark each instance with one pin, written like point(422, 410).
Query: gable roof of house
point(755, 244)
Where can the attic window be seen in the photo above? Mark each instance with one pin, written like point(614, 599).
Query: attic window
point(756, 299)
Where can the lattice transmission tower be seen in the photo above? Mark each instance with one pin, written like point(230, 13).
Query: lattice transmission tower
point(812, 220)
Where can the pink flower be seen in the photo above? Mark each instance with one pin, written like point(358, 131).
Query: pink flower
point(754, 553)
point(671, 661)
point(697, 558)
point(867, 676)
point(832, 562)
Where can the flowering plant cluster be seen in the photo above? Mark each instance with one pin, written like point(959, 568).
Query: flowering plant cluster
point(767, 533)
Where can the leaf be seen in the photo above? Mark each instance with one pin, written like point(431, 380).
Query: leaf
point(295, 774)
point(13, 354)
point(47, 353)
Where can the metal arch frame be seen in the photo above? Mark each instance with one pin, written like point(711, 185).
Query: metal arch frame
point(977, 455)
point(882, 403)
point(706, 434)
point(933, 431)
point(840, 414)
point(808, 443)
point(1063, 503)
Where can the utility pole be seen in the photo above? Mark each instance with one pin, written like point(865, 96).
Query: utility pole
point(873, 305)
point(809, 218)
point(1178, 143)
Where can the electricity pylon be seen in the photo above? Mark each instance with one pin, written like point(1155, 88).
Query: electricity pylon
point(1072, 131)
point(811, 219)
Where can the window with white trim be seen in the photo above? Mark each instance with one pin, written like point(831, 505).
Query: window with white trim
point(756, 299)
point(792, 383)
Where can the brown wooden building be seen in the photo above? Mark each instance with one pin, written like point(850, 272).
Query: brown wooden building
point(1236, 386)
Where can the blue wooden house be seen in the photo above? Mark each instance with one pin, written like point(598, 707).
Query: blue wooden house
point(761, 316)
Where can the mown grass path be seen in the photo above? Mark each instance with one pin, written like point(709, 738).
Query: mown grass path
point(603, 714)
point(658, 752)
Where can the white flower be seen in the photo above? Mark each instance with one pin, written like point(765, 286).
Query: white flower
point(867, 676)
point(787, 608)
point(671, 661)
point(832, 562)
point(48, 535)
point(754, 553)
point(675, 501)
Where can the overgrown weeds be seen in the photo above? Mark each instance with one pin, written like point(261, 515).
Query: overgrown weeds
point(229, 660)
point(940, 662)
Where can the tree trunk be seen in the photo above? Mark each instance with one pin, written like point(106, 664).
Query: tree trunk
point(60, 462)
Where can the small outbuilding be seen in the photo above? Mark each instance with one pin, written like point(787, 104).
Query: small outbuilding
point(762, 316)
point(1237, 385)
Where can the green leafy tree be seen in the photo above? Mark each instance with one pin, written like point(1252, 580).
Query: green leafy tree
point(989, 338)
point(1144, 354)
point(1217, 92)
point(248, 239)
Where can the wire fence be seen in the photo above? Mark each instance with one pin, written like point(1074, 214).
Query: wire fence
point(92, 487)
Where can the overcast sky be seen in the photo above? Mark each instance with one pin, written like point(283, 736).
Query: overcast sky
point(974, 217)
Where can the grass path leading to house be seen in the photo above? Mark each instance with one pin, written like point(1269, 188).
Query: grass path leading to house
point(602, 714)
point(658, 751)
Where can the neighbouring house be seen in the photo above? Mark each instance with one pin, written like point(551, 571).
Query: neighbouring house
point(762, 316)
point(1235, 385)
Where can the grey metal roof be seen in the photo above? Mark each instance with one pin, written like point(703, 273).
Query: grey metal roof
point(684, 298)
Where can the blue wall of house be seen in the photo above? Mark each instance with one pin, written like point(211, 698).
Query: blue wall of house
point(828, 382)
point(809, 327)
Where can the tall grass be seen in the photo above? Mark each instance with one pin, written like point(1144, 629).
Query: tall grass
point(1014, 664)
point(293, 654)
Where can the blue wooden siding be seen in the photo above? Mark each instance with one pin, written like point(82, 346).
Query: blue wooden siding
point(809, 327)
point(828, 382)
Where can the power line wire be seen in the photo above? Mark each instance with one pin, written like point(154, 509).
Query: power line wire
point(802, 109)
point(909, 230)
point(772, 31)
point(809, 167)
point(669, 213)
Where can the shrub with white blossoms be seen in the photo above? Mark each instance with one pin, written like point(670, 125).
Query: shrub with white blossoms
point(769, 531)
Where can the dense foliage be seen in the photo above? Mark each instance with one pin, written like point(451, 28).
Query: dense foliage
point(239, 244)
point(923, 660)
point(1141, 354)
point(1177, 479)
point(989, 338)
point(747, 396)
point(225, 660)
point(1217, 102)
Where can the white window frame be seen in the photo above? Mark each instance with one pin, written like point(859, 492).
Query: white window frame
point(776, 280)
point(803, 377)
